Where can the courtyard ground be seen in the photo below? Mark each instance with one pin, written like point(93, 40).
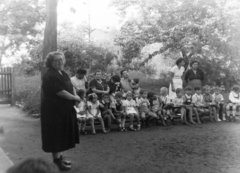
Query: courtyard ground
point(206, 148)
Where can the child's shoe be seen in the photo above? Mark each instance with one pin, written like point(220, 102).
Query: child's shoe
point(124, 129)
point(219, 120)
point(94, 133)
point(83, 132)
point(131, 128)
point(138, 127)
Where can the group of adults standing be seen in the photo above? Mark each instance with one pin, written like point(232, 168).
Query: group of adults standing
point(59, 126)
point(193, 77)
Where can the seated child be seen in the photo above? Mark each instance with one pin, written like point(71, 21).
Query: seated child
point(135, 88)
point(81, 110)
point(234, 103)
point(155, 106)
point(208, 100)
point(118, 111)
point(178, 105)
point(130, 108)
point(189, 105)
point(106, 111)
point(143, 107)
point(198, 102)
point(94, 112)
point(219, 101)
point(166, 104)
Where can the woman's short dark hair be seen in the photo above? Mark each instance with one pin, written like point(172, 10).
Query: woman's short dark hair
point(50, 58)
point(122, 72)
point(193, 62)
point(115, 78)
point(179, 60)
point(81, 71)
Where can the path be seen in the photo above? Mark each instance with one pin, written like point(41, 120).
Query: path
point(206, 148)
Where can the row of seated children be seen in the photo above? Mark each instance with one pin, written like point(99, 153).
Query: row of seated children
point(149, 104)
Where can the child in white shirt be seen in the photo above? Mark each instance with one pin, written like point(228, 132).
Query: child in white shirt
point(219, 101)
point(130, 107)
point(232, 107)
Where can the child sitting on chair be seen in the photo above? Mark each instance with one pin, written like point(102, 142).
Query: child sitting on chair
point(155, 106)
point(179, 107)
point(81, 110)
point(219, 101)
point(208, 100)
point(143, 107)
point(189, 105)
point(130, 107)
point(234, 103)
point(135, 88)
point(198, 102)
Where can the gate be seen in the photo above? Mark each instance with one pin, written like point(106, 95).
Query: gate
point(7, 86)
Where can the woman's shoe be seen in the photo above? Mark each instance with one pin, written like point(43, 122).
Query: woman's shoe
point(66, 162)
point(61, 165)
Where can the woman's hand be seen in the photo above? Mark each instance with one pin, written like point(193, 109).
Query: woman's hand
point(77, 98)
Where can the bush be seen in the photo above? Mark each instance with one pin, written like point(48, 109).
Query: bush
point(28, 93)
point(149, 83)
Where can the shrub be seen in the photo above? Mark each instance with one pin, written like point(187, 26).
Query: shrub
point(28, 93)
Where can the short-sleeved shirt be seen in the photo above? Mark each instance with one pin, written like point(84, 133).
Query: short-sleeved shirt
point(197, 98)
point(117, 106)
point(155, 105)
point(79, 83)
point(188, 99)
point(217, 98)
point(207, 98)
point(143, 104)
point(178, 101)
point(126, 84)
point(130, 106)
point(177, 72)
point(106, 106)
point(99, 85)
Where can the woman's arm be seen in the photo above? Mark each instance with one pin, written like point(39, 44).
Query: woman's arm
point(66, 95)
point(99, 91)
point(171, 81)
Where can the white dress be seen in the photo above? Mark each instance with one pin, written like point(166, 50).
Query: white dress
point(94, 107)
point(81, 107)
point(130, 106)
point(177, 80)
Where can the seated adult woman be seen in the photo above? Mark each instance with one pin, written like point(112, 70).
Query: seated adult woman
point(194, 77)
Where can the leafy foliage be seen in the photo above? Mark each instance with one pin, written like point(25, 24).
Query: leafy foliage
point(198, 29)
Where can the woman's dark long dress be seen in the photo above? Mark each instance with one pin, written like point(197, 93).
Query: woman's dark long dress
point(58, 117)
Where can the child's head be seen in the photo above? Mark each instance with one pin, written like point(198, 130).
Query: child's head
point(207, 89)
point(144, 93)
point(105, 98)
point(150, 95)
point(33, 165)
point(179, 92)
point(81, 93)
point(217, 90)
point(118, 96)
point(197, 90)
point(136, 80)
point(236, 88)
point(93, 97)
point(129, 95)
point(188, 90)
point(164, 91)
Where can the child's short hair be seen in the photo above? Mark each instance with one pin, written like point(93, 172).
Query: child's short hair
point(206, 87)
point(163, 89)
point(81, 93)
point(197, 88)
point(92, 96)
point(142, 91)
point(151, 94)
point(136, 80)
point(178, 90)
point(188, 88)
point(216, 89)
point(129, 93)
point(33, 165)
point(236, 88)
point(119, 95)
point(105, 95)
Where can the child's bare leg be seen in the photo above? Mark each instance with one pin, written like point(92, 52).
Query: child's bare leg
point(162, 118)
point(123, 120)
point(143, 118)
point(102, 124)
point(84, 122)
point(183, 116)
point(92, 125)
point(210, 115)
point(197, 115)
point(138, 121)
point(152, 114)
point(131, 122)
point(215, 116)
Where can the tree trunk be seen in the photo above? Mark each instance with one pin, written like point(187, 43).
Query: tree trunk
point(50, 33)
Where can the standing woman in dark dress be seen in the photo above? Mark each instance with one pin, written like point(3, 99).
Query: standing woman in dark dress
point(194, 77)
point(58, 117)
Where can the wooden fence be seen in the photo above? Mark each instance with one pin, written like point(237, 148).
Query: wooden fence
point(7, 86)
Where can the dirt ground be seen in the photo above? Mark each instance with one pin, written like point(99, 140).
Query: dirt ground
point(206, 148)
